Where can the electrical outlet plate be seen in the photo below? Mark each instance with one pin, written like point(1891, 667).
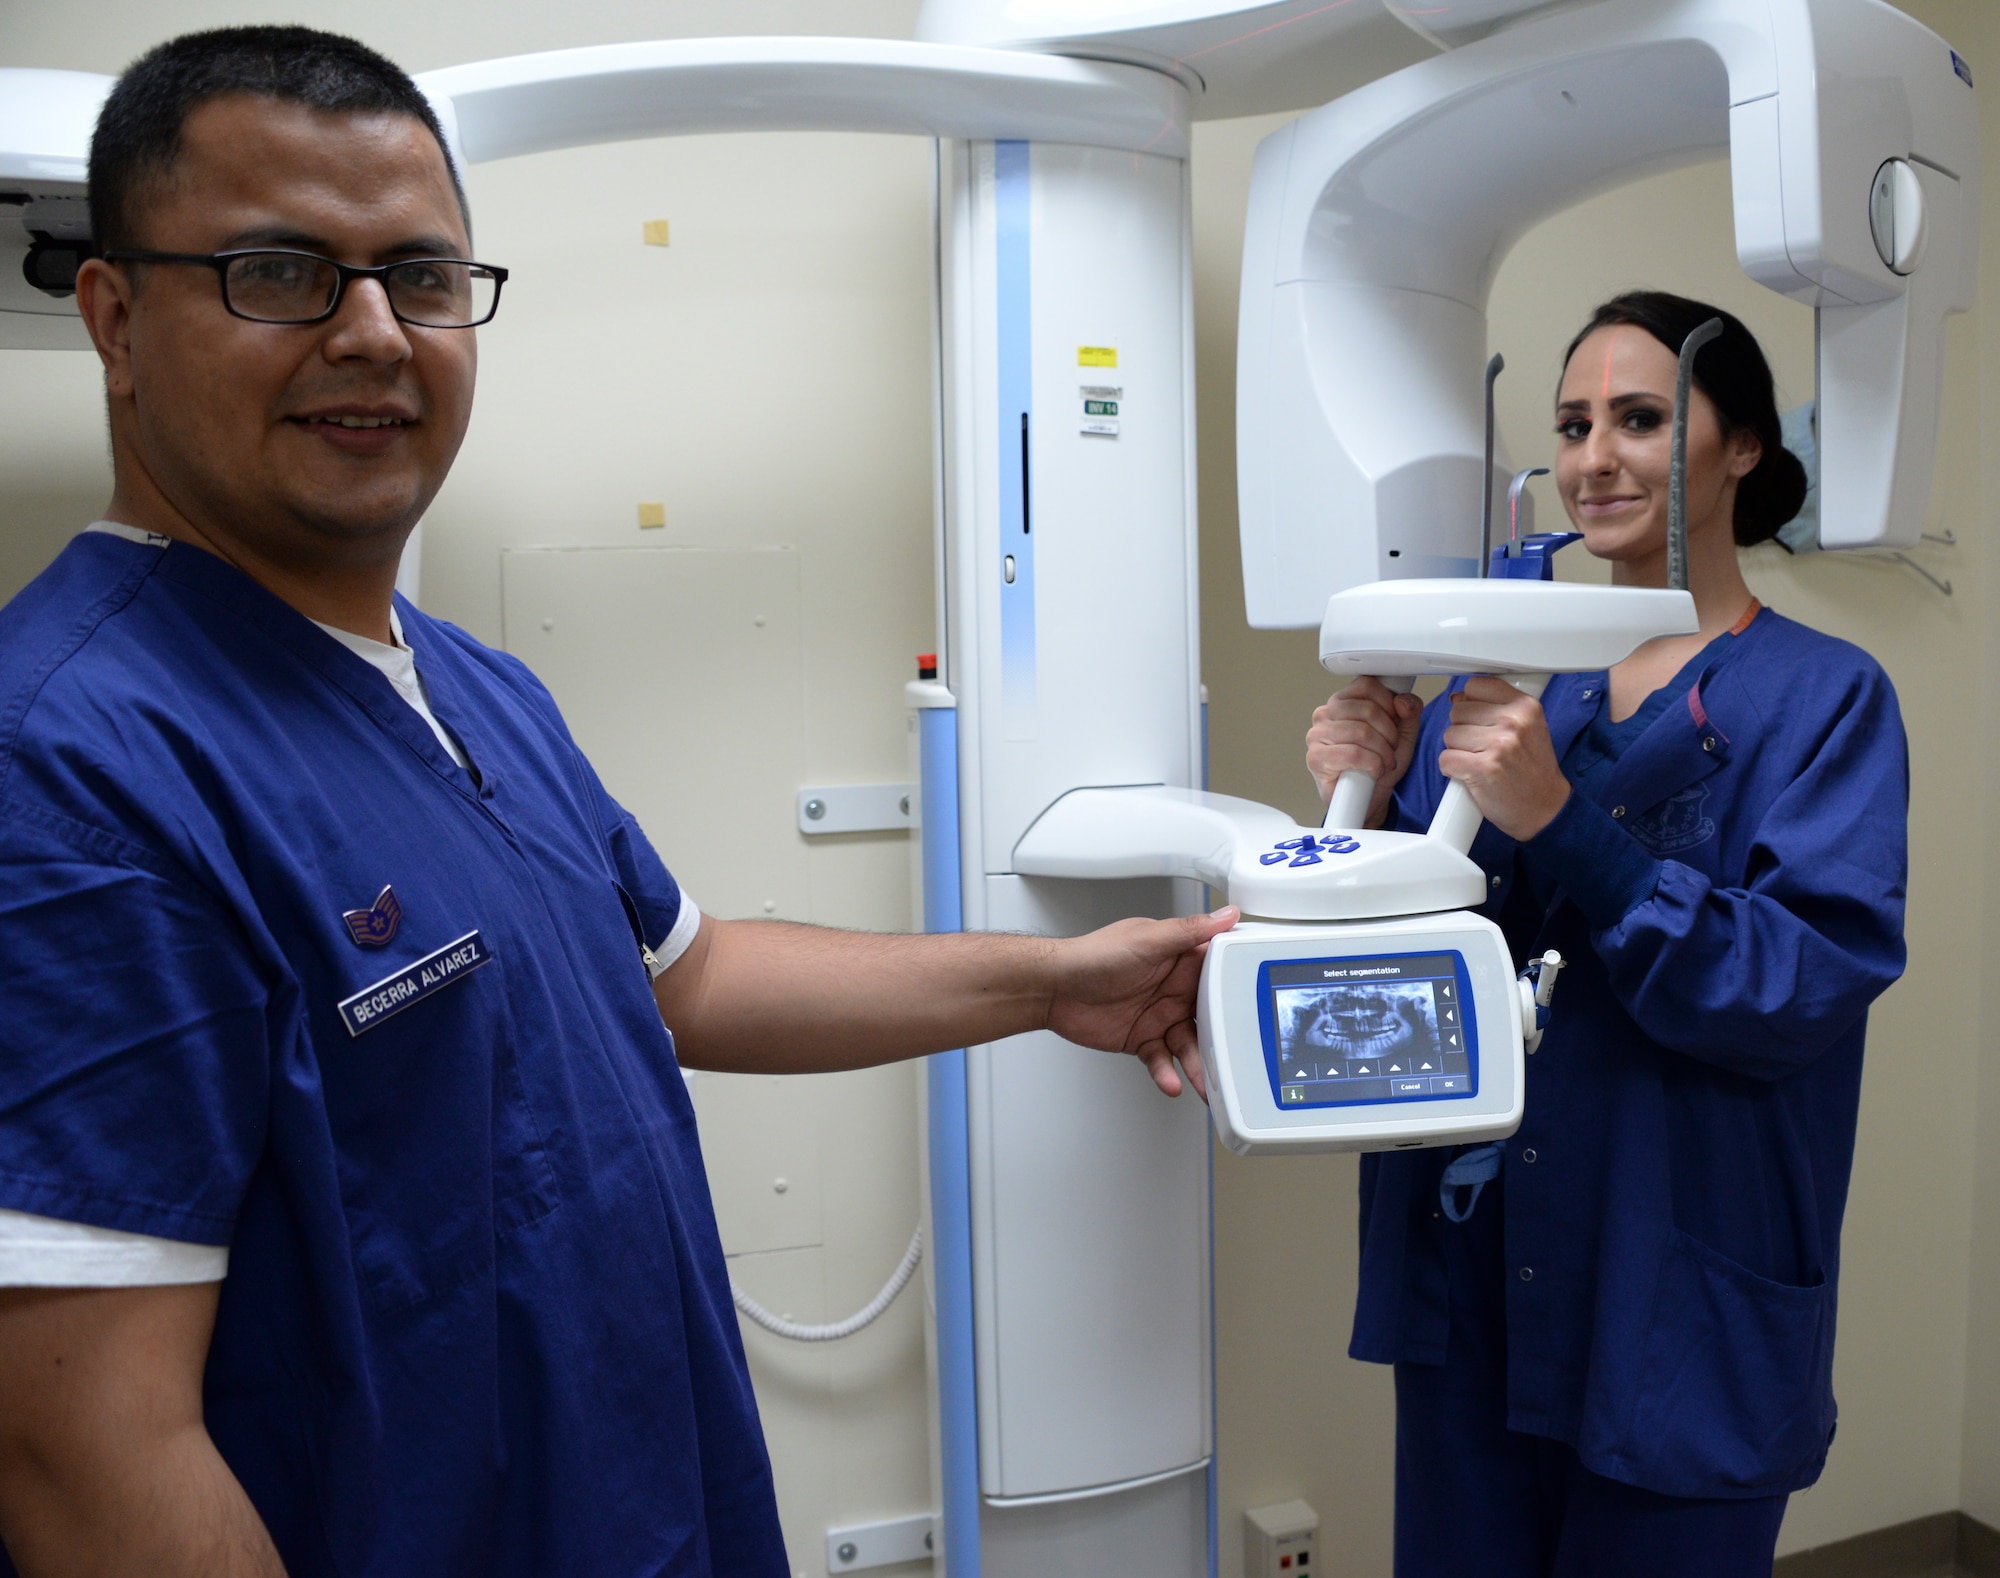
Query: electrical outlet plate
point(1281, 1541)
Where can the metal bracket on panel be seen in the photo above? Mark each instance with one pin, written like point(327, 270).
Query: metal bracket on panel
point(855, 808)
point(861, 1545)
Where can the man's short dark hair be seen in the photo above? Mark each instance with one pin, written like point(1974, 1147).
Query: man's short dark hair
point(138, 136)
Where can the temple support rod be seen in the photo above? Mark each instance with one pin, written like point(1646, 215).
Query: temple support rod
point(1493, 370)
point(1677, 477)
point(1514, 491)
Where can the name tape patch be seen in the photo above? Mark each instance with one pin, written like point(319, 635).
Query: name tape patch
point(371, 1005)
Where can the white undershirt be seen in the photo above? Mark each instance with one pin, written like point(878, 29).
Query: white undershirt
point(43, 1252)
point(399, 666)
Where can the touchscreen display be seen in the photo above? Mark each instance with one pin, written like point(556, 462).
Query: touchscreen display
point(1393, 1028)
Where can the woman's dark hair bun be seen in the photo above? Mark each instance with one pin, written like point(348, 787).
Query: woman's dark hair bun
point(1732, 372)
point(1770, 496)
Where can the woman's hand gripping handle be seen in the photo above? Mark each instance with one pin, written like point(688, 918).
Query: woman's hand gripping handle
point(1359, 747)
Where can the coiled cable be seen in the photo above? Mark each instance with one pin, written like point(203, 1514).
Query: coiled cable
point(866, 1316)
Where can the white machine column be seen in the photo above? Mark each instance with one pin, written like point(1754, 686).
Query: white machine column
point(1070, 648)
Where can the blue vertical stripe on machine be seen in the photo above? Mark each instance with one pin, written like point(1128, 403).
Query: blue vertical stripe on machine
point(1012, 305)
point(937, 763)
point(951, 1175)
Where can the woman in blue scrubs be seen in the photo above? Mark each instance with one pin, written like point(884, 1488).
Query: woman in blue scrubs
point(1616, 1356)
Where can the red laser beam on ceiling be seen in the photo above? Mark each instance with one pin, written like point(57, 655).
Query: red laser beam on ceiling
point(1259, 32)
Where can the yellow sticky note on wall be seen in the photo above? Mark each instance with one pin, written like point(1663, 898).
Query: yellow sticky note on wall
point(652, 515)
point(1097, 356)
point(655, 232)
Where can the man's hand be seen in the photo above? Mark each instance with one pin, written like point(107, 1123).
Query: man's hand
point(767, 997)
point(1364, 728)
point(1131, 988)
point(105, 1465)
point(1498, 746)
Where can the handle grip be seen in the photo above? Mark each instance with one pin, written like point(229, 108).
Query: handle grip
point(1456, 820)
point(1347, 807)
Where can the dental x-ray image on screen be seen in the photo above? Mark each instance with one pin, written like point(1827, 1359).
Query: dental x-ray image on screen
point(1358, 1021)
point(1370, 1029)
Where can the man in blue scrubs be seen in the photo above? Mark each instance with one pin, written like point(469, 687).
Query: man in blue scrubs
point(332, 966)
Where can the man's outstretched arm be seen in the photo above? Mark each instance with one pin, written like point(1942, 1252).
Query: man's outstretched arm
point(105, 1465)
point(767, 997)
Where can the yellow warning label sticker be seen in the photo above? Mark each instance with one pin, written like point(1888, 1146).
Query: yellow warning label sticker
point(1097, 356)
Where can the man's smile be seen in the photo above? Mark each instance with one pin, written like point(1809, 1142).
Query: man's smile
point(357, 430)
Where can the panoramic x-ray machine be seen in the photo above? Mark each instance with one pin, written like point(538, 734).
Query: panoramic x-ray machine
point(1060, 744)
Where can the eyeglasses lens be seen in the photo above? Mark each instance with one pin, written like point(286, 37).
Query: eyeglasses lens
point(441, 294)
point(280, 287)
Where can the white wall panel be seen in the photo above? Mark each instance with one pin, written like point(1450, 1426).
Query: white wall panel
point(679, 671)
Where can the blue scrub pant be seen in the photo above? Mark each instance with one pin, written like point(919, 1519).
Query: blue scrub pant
point(1477, 1500)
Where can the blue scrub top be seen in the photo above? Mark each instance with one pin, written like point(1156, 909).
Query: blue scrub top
point(1729, 896)
point(477, 1318)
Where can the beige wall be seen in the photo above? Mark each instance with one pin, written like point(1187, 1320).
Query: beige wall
point(769, 384)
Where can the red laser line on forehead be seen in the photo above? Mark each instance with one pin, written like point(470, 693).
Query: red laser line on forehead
point(1607, 374)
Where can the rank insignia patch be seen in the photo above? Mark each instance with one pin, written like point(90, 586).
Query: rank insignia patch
point(377, 924)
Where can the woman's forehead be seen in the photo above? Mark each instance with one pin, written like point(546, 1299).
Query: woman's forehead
point(1620, 358)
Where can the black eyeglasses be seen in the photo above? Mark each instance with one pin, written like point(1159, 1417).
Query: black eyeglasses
point(299, 287)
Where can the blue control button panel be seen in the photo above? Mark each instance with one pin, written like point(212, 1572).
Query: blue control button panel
point(1386, 1027)
point(1309, 850)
